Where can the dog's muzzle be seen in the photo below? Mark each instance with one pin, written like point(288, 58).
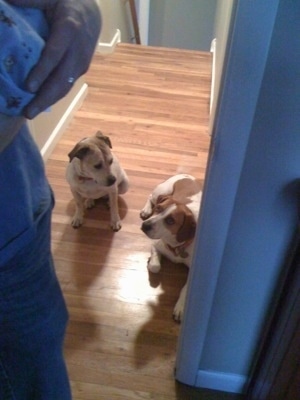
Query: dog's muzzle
point(146, 227)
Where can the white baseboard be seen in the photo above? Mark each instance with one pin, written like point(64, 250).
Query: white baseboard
point(63, 122)
point(106, 48)
point(213, 74)
point(221, 381)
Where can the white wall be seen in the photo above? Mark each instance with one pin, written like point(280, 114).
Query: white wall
point(115, 16)
point(48, 126)
point(223, 16)
point(143, 13)
point(182, 24)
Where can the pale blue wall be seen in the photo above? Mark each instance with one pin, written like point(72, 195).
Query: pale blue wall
point(187, 24)
point(250, 205)
point(266, 208)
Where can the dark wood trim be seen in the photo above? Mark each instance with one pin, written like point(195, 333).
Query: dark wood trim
point(277, 371)
point(135, 22)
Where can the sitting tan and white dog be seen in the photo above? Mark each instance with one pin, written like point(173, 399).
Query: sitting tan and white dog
point(94, 172)
point(170, 216)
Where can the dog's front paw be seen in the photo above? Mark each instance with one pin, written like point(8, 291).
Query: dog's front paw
point(179, 306)
point(89, 203)
point(146, 212)
point(154, 265)
point(116, 225)
point(178, 310)
point(76, 222)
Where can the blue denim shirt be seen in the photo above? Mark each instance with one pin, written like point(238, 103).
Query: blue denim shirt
point(23, 186)
point(22, 34)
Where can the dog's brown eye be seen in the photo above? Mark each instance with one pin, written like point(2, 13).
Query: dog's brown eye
point(110, 161)
point(98, 166)
point(170, 221)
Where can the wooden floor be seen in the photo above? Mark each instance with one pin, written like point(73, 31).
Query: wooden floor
point(121, 339)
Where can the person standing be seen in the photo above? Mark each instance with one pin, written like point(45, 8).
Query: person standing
point(45, 46)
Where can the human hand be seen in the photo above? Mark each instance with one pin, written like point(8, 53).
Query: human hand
point(74, 31)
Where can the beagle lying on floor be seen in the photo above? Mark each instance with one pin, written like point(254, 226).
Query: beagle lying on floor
point(94, 172)
point(170, 216)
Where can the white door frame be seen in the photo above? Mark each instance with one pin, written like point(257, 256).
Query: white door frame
point(143, 12)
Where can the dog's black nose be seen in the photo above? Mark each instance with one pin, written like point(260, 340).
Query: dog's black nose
point(111, 180)
point(146, 226)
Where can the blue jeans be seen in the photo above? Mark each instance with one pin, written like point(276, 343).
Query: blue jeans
point(33, 318)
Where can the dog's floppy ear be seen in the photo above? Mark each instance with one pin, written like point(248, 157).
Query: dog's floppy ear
point(79, 151)
point(187, 230)
point(106, 139)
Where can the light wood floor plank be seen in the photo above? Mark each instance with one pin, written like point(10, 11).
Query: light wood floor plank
point(121, 339)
